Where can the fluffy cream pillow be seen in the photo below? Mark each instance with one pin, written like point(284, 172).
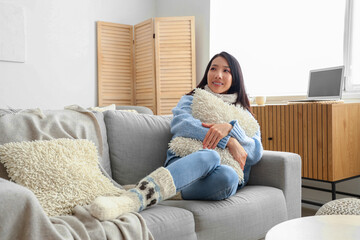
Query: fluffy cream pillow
point(110, 107)
point(62, 173)
point(128, 110)
point(103, 109)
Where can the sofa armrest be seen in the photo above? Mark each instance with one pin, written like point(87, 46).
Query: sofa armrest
point(281, 170)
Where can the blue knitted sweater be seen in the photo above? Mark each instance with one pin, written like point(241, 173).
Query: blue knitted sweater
point(185, 125)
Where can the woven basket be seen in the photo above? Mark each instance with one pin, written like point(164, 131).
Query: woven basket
point(344, 206)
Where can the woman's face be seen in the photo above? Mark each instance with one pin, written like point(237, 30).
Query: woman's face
point(219, 78)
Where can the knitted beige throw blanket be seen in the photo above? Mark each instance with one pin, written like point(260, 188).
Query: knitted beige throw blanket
point(210, 109)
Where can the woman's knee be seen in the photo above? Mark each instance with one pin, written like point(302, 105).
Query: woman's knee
point(208, 156)
point(227, 176)
point(229, 180)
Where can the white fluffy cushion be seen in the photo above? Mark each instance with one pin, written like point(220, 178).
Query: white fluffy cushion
point(210, 109)
point(110, 107)
point(103, 109)
point(62, 173)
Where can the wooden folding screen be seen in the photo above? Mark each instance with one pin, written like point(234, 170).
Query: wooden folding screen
point(163, 63)
point(175, 60)
point(144, 49)
point(115, 64)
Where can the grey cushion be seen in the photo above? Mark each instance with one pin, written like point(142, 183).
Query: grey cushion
point(169, 223)
point(138, 144)
point(249, 214)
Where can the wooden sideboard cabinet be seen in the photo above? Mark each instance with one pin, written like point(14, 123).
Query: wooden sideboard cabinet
point(325, 135)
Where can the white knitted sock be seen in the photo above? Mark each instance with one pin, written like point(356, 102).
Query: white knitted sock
point(157, 186)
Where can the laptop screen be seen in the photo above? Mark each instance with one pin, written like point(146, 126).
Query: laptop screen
point(326, 83)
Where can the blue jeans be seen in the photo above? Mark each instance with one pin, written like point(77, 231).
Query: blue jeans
point(199, 176)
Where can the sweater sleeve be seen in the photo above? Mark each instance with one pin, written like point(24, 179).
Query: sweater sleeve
point(185, 125)
point(252, 146)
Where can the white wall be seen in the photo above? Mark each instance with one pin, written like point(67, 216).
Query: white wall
point(277, 42)
point(60, 66)
point(201, 10)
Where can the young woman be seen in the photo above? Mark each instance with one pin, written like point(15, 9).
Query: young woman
point(200, 174)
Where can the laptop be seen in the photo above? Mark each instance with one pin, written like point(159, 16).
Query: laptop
point(325, 84)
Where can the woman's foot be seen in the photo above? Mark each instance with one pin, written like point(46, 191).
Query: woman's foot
point(157, 186)
point(105, 208)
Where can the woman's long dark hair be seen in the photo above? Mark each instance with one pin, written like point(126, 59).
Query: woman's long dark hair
point(237, 85)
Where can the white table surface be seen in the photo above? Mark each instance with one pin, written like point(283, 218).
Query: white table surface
point(329, 227)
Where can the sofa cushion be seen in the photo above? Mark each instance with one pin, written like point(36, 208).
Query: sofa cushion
point(255, 208)
point(62, 173)
point(165, 222)
point(138, 144)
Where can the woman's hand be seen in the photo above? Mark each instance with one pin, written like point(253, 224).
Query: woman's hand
point(216, 132)
point(237, 151)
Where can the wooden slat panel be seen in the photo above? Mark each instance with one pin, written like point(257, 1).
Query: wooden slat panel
point(271, 128)
point(283, 127)
point(305, 141)
point(330, 143)
point(145, 86)
point(255, 113)
point(272, 133)
point(274, 127)
point(287, 135)
point(310, 139)
point(262, 124)
point(267, 127)
point(314, 140)
point(296, 129)
point(174, 40)
point(301, 138)
point(291, 121)
point(278, 129)
point(324, 129)
point(319, 141)
point(115, 67)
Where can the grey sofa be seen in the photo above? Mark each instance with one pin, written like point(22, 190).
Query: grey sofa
point(136, 144)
